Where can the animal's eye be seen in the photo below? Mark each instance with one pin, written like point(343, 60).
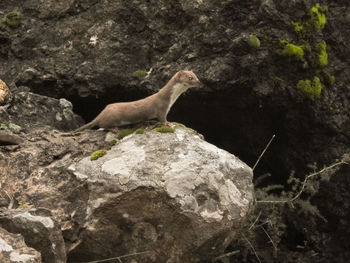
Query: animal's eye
point(190, 78)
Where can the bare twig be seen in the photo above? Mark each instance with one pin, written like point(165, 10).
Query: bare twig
point(226, 255)
point(267, 234)
point(250, 244)
point(119, 257)
point(304, 184)
point(256, 220)
point(261, 155)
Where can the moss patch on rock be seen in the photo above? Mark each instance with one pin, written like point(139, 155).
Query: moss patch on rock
point(311, 89)
point(97, 154)
point(125, 132)
point(254, 41)
point(292, 50)
point(298, 27)
point(113, 142)
point(328, 78)
point(141, 74)
point(178, 124)
point(164, 129)
point(318, 17)
point(140, 131)
point(322, 58)
point(12, 19)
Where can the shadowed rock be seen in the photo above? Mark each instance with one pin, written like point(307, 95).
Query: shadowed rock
point(13, 249)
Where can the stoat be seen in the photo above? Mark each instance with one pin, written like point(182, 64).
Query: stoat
point(155, 106)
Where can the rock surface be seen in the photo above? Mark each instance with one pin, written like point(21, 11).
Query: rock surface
point(32, 112)
point(13, 249)
point(172, 194)
point(39, 231)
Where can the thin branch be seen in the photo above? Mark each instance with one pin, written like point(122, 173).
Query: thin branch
point(250, 244)
point(304, 184)
point(273, 244)
point(256, 220)
point(119, 257)
point(261, 155)
point(226, 255)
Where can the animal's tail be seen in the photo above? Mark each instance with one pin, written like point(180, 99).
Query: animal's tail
point(86, 126)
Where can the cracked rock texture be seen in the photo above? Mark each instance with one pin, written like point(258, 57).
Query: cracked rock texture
point(38, 230)
point(13, 249)
point(173, 192)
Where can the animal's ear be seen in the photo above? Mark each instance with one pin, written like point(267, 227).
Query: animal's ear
point(178, 75)
point(181, 72)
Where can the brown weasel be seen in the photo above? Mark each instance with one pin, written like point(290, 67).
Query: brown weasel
point(155, 106)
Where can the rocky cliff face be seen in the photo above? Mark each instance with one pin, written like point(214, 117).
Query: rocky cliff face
point(268, 67)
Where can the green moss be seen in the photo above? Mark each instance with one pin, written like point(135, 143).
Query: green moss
point(311, 89)
point(330, 79)
point(298, 27)
point(12, 19)
point(185, 127)
point(3, 126)
point(125, 132)
point(113, 142)
point(254, 41)
point(140, 74)
point(164, 129)
point(140, 131)
point(97, 154)
point(318, 17)
point(292, 50)
point(321, 49)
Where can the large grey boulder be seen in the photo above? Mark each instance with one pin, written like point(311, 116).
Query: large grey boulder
point(171, 194)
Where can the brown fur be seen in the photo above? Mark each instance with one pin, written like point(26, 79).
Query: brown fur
point(155, 106)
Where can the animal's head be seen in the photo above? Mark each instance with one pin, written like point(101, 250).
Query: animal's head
point(187, 78)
